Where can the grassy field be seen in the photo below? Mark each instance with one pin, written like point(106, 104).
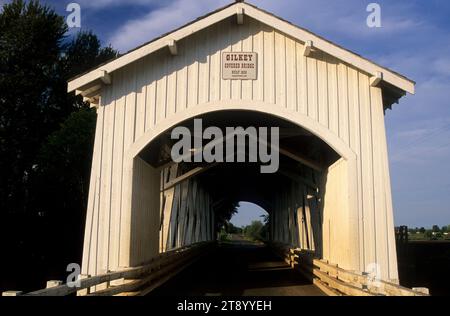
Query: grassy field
point(424, 237)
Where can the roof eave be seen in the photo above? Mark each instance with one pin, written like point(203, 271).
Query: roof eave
point(288, 28)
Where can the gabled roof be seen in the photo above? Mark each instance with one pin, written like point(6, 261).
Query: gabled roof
point(89, 83)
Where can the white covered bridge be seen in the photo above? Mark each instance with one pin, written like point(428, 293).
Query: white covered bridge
point(330, 201)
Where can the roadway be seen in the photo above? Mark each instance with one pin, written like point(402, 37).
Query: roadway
point(238, 268)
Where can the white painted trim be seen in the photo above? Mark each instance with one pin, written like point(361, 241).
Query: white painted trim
point(240, 15)
point(172, 44)
point(308, 48)
point(376, 79)
point(105, 77)
point(238, 105)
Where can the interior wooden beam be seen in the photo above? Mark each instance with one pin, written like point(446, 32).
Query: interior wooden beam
point(188, 175)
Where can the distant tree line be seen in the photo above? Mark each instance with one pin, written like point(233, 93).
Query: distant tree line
point(436, 232)
point(256, 231)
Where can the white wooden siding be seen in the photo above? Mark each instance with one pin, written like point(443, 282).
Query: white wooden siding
point(147, 93)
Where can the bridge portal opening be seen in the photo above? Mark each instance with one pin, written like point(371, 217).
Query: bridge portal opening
point(194, 199)
point(250, 222)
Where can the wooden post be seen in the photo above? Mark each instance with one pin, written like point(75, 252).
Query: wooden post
point(53, 283)
point(12, 293)
point(85, 291)
point(172, 44)
point(308, 48)
point(240, 15)
point(422, 290)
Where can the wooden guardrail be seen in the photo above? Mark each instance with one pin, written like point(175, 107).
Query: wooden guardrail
point(134, 281)
point(336, 281)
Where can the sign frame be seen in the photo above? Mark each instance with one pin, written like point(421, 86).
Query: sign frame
point(239, 65)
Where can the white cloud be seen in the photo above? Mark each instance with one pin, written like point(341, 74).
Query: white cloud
point(345, 17)
point(2, 3)
point(101, 4)
point(160, 21)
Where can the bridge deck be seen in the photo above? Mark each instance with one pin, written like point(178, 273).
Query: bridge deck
point(239, 268)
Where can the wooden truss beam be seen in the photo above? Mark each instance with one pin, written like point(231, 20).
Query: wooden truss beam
point(188, 175)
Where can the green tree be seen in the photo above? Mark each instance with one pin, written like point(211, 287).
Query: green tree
point(436, 228)
point(31, 38)
point(63, 165)
point(64, 157)
point(224, 210)
point(253, 230)
point(231, 229)
point(36, 60)
point(46, 136)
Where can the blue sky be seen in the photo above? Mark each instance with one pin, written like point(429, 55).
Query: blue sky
point(414, 40)
point(247, 213)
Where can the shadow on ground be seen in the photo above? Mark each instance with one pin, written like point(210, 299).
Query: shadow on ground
point(238, 268)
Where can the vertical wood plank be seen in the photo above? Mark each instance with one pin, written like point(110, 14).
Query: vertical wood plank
point(333, 95)
point(161, 88)
point(258, 47)
point(90, 238)
point(215, 66)
point(236, 46)
point(150, 103)
point(106, 181)
point(225, 42)
point(171, 93)
point(247, 46)
point(269, 65)
point(312, 106)
point(280, 69)
point(377, 115)
point(117, 170)
point(128, 140)
point(291, 75)
point(343, 103)
point(182, 77)
point(203, 58)
point(355, 144)
point(322, 89)
point(192, 63)
point(302, 81)
point(141, 96)
point(367, 171)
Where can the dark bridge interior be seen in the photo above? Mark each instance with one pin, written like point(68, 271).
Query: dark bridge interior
point(290, 195)
point(244, 181)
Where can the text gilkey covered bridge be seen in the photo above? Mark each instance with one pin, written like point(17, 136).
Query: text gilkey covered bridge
point(242, 66)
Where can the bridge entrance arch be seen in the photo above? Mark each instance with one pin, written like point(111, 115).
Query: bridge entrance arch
point(197, 197)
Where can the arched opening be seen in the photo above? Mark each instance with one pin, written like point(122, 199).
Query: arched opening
point(249, 223)
point(307, 196)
